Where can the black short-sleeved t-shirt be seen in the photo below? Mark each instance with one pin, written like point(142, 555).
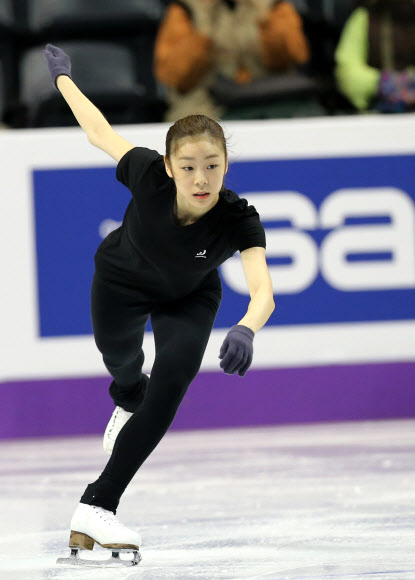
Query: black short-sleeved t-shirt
point(151, 254)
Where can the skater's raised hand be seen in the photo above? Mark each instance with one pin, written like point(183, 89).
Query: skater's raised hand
point(58, 61)
point(237, 350)
point(99, 131)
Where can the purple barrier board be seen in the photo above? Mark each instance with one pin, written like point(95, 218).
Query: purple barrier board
point(63, 407)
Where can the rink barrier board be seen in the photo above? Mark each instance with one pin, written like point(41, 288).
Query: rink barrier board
point(79, 406)
point(337, 199)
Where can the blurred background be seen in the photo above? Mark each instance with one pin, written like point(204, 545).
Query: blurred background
point(145, 62)
point(317, 98)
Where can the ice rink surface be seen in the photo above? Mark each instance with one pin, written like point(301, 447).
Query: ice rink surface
point(315, 501)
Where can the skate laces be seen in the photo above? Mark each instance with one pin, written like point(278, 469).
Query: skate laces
point(115, 429)
point(107, 516)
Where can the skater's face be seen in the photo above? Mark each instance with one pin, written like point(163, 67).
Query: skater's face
point(197, 165)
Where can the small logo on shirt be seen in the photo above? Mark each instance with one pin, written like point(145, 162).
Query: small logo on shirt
point(201, 254)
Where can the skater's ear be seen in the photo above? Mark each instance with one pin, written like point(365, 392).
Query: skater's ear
point(168, 167)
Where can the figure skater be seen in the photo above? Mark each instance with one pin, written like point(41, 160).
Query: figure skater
point(179, 227)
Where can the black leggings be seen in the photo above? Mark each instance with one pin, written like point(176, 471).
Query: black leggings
point(181, 332)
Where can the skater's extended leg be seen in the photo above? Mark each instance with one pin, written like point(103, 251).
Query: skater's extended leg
point(181, 333)
point(119, 322)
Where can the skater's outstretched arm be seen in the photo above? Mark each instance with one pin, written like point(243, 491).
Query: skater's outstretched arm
point(98, 130)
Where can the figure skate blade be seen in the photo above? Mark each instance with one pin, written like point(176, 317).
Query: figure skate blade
point(113, 562)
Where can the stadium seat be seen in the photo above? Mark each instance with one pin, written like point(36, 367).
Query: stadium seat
point(268, 89)
point(281, 95)
point(83, 18)
point(105, 72)
point(6, 13)
point(7, 50)
point(2, 99)
point(334, 12)
point(323, 21)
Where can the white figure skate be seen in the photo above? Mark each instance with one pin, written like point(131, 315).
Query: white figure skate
point(91, 524)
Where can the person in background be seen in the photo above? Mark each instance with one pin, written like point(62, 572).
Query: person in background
point(240, 39)
point(375, 56)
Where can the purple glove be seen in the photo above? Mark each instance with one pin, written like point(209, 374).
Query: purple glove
point(58, 61)
point(237, 350)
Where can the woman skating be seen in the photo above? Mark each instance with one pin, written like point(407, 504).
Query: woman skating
point(180, 226)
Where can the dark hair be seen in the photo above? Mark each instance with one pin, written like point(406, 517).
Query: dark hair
point(194, 126)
